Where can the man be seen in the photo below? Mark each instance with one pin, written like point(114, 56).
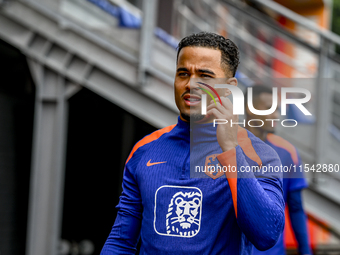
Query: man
point(175, 214)
point(293, 183)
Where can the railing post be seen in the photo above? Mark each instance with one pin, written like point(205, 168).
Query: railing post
point(48, 159)
point(146, 38)
point(323, 101)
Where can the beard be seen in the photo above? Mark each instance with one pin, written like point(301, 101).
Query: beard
point(192, 117)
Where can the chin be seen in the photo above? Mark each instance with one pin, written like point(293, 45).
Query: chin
point(192, 117)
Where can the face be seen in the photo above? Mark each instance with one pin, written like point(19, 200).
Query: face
point(264, 102)
point(201, 63)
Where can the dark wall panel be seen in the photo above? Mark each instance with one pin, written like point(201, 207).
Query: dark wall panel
point(98, 145)
point(16, 125)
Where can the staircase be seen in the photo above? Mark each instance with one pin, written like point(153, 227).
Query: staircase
point(72, 44)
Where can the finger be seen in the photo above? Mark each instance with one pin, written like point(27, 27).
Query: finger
point(216, 106)
point(216, 113)
point(225, 108)
point(226, 102)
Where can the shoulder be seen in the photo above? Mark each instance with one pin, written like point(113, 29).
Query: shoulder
point(281, 144)
point(149, 139)
point(255, 148)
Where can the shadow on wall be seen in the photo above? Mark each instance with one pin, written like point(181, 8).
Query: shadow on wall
point(100, 138)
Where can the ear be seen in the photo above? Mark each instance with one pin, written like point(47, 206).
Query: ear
point(230, 81)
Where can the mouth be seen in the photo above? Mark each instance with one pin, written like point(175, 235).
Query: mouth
point(192, 100)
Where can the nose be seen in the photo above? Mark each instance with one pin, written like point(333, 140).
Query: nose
point(188, 85)
point(192, 84)
point(186, 210)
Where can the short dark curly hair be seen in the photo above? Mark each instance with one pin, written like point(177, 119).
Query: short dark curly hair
point(230, 53)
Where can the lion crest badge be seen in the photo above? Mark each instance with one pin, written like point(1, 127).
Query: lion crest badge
point(182, 215)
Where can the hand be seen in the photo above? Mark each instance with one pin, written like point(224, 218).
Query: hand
point(225, 133)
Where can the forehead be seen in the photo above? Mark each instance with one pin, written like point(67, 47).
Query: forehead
point(200, 56)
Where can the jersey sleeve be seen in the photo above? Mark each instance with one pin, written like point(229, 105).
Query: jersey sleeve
point(296, 179)
point(258, 202)
point(299, 221)
point(125, 232)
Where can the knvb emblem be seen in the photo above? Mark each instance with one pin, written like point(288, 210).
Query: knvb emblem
point(212, 167)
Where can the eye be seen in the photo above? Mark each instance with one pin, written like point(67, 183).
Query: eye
point(196, 201)
point(183, 74)
point(178, 200)
point(206, 76)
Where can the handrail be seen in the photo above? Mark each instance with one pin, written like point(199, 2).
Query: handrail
point(256, 43)
point(300, 20)
point(189, 15)
point(323, 225)
point(256, 18)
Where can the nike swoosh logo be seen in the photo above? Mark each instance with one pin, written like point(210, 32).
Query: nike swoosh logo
point(154, 163)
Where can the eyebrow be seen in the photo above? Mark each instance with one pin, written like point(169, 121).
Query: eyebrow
point(183, 69)
point(206, 71)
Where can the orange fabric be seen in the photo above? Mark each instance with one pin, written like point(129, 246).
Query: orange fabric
point(314, 10)
point(148, 139)
point(282, 143)
point(283, 69)
point(319, 14)
point(298, 5)
point(229, 158)
point(316, 234)
point(246, 145)
point(289, 237)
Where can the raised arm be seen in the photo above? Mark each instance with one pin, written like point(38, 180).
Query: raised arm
point(258, 202)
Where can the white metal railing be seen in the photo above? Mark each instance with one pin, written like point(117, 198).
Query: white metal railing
point(242, 24)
